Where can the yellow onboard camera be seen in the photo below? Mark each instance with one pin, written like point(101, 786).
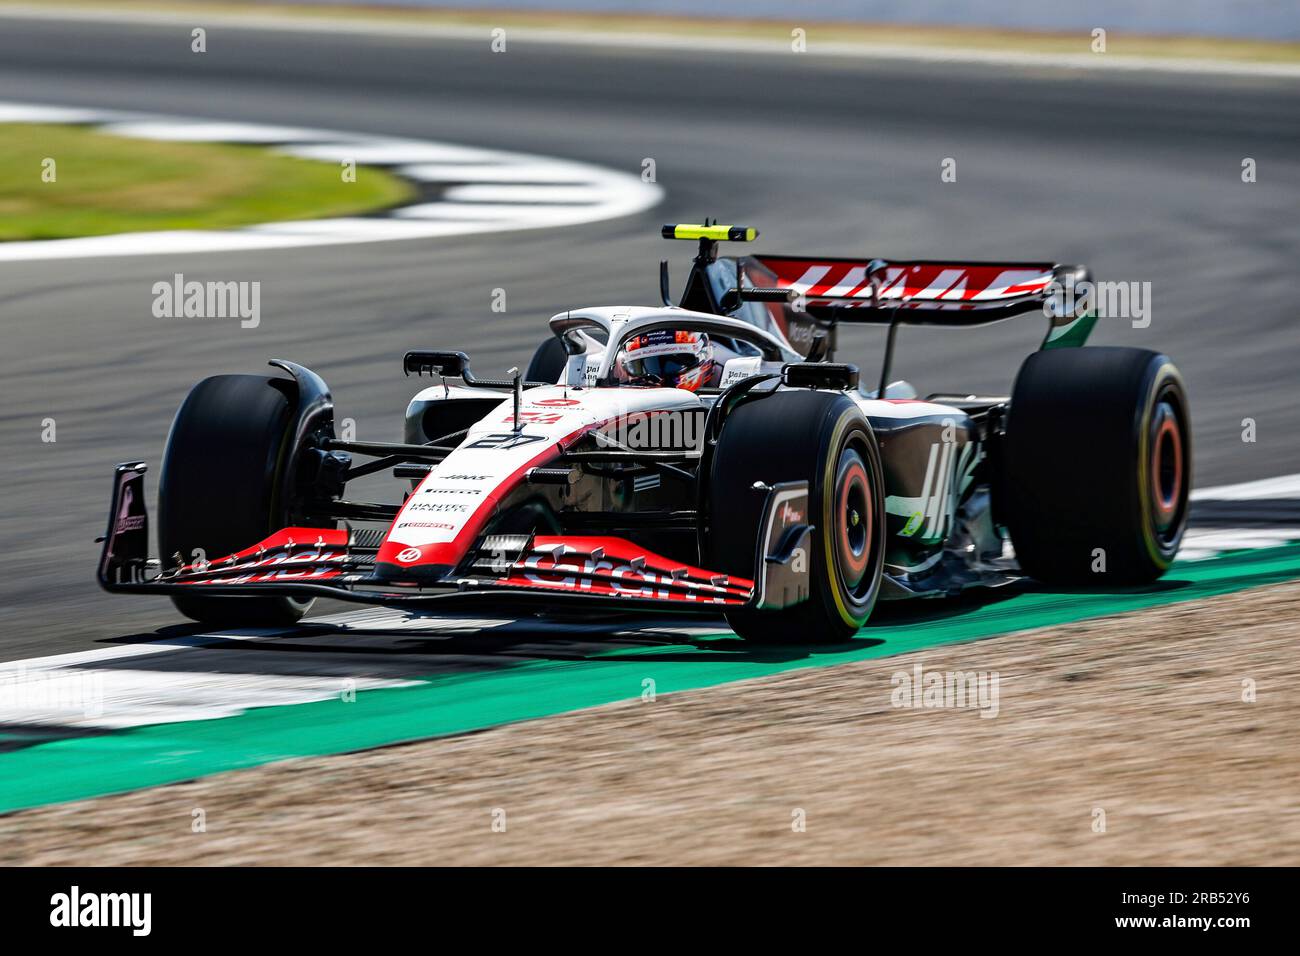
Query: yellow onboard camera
point(706, 231)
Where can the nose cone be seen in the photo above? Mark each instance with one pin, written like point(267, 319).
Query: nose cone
point(424, 564)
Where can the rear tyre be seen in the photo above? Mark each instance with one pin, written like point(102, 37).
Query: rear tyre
point(228, 445)
point(821, 438)
point(1098, 465)
point(548, 362)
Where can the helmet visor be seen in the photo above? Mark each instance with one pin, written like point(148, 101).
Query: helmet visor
point(666, 368)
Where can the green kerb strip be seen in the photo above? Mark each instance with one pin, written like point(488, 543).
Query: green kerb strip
point(71, 769)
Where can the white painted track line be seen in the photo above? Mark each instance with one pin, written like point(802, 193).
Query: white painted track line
point(395, 152)
point(1284, 486)
point(204, 131)
point(1202, 543)
point(1210, 540)
point(115, 698)
point(452, 172)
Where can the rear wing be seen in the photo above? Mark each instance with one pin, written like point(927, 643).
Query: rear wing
point(921, 292)
point(806, 297)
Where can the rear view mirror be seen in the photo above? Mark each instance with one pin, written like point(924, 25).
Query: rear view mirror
point(446, 364)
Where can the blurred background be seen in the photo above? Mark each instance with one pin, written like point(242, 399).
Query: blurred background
point(1258, 19)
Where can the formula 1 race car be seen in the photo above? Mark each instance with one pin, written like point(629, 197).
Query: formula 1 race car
point(707, 456)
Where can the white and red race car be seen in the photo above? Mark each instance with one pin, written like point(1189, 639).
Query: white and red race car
point(704, 456)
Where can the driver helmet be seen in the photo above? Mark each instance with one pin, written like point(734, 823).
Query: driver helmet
point(668, 358)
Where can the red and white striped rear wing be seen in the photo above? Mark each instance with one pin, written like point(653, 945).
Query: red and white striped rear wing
point(921, 292)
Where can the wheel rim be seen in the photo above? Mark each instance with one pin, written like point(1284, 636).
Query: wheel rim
point(854, 521)
point(1168, 466)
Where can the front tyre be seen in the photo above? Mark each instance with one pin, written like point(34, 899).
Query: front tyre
point(228, 446)
point(824, 439)
point(1098, 465)
point(548, 362)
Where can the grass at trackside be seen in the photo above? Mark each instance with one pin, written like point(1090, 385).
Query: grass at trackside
point(111, 184)
point(868, 34)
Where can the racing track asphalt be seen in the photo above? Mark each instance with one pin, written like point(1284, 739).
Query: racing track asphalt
point(1136, 175)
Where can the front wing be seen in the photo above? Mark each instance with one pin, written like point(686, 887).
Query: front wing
point(530, 570)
